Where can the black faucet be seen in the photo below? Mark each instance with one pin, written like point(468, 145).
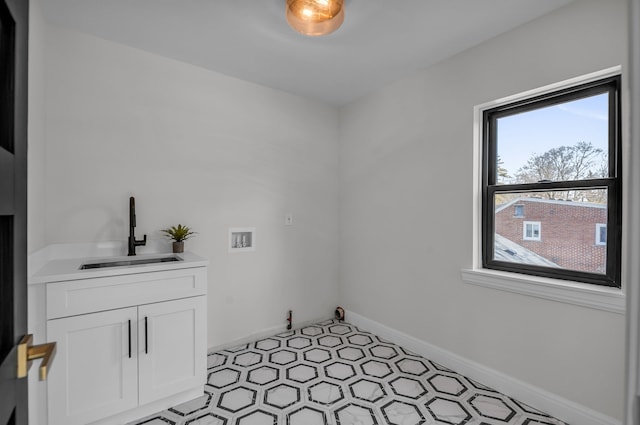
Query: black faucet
point(133, 243)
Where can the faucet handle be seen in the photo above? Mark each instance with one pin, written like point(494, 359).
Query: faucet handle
point(141, 242)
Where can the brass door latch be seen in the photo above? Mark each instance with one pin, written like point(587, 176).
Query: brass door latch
point(28, 352)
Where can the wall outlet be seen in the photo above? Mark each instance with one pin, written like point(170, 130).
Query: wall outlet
point(288, 219)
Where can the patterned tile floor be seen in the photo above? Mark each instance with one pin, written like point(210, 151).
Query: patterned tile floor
point(336, 374)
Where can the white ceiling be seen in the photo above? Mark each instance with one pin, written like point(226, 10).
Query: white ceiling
point(380, 40)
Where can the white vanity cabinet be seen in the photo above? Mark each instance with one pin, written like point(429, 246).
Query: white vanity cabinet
point(172, 348)
point(126, 342)
point(94, 376)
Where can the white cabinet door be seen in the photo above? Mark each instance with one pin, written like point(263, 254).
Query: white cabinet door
point(96, 366)
point(172, 347)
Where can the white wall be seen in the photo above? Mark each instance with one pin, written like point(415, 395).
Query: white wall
point(36, 130)
point(632, 411)
point(406, 211)
point(213, 152)
point(204, 150)
point(36, 192)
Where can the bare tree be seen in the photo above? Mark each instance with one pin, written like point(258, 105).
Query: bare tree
point(565, 163)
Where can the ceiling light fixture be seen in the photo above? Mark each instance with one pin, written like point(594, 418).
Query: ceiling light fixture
point(315, 17)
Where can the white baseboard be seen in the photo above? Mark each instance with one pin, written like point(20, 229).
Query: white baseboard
point(264, 333)
point(543, 400)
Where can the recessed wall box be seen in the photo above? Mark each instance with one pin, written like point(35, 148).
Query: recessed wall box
point(242, 239)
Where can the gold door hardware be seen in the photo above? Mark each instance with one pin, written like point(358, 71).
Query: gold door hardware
point(28, 352)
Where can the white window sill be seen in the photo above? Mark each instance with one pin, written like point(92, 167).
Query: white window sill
point(582, 294)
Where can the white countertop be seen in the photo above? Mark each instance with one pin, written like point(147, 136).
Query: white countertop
point(69, 268)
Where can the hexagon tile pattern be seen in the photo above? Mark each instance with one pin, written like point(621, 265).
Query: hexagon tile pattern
point(334, 373)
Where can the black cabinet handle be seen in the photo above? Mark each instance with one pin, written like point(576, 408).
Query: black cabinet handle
point(129, 338)
point(146, 339)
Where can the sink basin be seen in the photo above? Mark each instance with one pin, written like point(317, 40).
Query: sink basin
point(132, 262)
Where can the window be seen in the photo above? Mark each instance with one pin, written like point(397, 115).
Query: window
point(557, 155)
point(531, 231)
point(518, 210)
point(601, 234)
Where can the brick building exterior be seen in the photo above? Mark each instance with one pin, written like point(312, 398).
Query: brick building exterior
point(570, 234)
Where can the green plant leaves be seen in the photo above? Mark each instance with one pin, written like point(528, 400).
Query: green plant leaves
point(178, 233)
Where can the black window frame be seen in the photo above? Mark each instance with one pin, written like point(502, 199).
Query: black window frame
point(613, 182)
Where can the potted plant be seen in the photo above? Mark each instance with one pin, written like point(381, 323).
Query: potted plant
point(178, 234)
